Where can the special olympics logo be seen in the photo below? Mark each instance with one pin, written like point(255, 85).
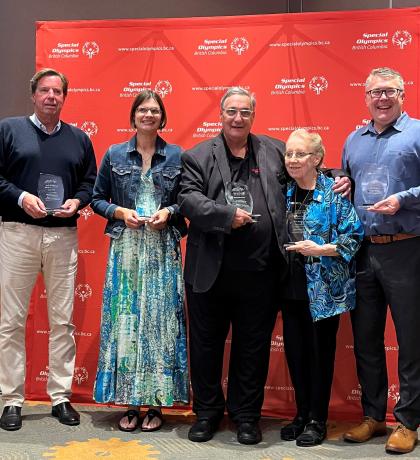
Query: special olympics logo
point(163, 88)
point(318, 84)
point(83, 291)
point(401, 38)
point(90, 49)
point(239, 45)
point(393, 393)
point(90, 128)
point(86, 212)
point(80, 375)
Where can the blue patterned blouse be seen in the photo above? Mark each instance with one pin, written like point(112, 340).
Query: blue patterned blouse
point(330, 218)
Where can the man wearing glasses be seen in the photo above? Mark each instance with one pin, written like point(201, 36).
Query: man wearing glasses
point(234, 265)
point(383, 159)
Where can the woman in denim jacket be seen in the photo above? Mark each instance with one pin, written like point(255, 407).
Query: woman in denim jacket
point(143, 351)
point(325, 234)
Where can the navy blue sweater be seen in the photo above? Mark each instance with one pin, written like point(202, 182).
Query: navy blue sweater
point(26, 151)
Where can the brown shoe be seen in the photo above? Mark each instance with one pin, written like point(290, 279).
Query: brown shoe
point(366, 430)
point(401, 440)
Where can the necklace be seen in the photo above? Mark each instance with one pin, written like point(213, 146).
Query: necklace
point(302, 203)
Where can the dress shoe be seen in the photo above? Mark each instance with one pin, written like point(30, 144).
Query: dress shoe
point(203, 430)
point(366, 430)
point(66, 414)
point(313, 434)
point(402, 440)
point(249, 433)
point(292, 430)
point(11, 420)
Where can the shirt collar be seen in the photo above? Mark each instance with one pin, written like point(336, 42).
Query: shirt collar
point(398, 125)
point(160, 146)
point(37, 122)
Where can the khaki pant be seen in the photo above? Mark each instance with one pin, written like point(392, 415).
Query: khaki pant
point(26, 250)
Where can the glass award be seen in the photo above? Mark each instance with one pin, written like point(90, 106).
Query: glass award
point(51, 191)
point(374, 184)
point(295, 223)
point(146, 205)
point(238, 195)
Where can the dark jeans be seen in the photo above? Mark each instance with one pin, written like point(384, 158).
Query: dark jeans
point(310, 353)
point(245, 301)
point(388, 274)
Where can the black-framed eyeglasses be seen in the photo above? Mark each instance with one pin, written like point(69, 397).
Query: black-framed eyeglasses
point(299, 155)
point(389, 92)
point(232, 111)
point(152, 110)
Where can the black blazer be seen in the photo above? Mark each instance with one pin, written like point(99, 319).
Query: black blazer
point(202, 200)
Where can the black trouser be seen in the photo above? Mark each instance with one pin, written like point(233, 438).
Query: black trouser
point(310, 353)
point(388, 274)
point(245, 301)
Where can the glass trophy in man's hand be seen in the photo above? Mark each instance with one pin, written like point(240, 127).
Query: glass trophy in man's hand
point(374, 183)
point(238, 195)
point(51, 192)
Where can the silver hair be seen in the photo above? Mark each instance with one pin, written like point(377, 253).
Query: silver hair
point(387, 74)
point(314, 139)
point(241, 92)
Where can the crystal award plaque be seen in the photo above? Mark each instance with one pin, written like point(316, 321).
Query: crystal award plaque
point(238, 195)
point(51, 191)
point(374, 183)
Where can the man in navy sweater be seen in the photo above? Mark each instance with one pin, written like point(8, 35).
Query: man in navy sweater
point(34, 238)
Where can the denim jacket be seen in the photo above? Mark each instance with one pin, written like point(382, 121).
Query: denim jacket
point(330, 218)
point(119, 176)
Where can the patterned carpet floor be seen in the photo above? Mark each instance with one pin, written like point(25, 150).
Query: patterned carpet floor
point(97, 437)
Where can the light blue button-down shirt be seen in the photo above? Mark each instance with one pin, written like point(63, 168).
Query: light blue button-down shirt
point(397, 148)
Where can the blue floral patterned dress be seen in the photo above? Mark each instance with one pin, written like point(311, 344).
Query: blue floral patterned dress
point(143, 351)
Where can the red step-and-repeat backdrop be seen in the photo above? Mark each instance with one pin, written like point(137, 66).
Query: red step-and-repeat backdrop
point(307, 70)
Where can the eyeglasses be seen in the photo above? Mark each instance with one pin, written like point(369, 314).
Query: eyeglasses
point(389, 92)
point(244, 113)
point(298, 155)
point(152, 110)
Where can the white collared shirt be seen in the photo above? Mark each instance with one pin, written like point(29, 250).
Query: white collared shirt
point(37, 122)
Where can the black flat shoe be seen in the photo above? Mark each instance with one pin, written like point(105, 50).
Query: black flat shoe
point(249, 433)
point(65, 414)
point(151, 414)
point(203, 430)
point(11, 419)
point(292, 430)
point(130, 414)
point(313, 434)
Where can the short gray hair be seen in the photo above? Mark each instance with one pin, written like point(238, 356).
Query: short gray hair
point(314, 139)
point(387, 74)
point(241, 92)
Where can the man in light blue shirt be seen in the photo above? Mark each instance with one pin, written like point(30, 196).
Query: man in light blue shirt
point(383, 158)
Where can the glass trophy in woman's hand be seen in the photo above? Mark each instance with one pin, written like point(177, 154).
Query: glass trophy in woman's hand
point(146, 206)
point(295, 222)
point(374, 183)
point(238, 195)
point(51, 192)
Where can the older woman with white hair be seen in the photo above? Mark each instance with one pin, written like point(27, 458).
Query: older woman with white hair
point(324, 233)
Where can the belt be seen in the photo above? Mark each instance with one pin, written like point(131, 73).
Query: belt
point(385, 239)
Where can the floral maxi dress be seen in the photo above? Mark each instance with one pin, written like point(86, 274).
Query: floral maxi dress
point(143, 351)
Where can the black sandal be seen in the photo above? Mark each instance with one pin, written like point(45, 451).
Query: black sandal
point(152, 413)
point(130, 414)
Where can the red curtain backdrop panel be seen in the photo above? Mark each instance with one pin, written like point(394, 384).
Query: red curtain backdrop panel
point(307, 70)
